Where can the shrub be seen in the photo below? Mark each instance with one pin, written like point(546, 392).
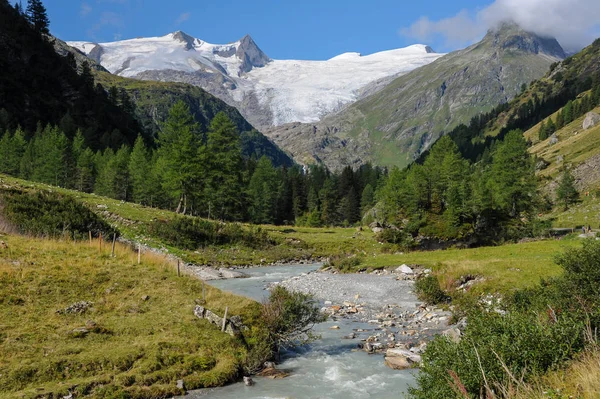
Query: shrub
point(523, 343)
point(191, 233)
point(428, 290)
point(290, 317)
point(48, 214)
point(345, 263)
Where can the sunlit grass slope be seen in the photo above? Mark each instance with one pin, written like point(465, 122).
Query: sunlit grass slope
point(136, 345)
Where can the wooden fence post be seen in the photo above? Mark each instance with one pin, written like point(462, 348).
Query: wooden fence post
point(178, 271)
point(225, 318)
point(113, 245)
point(100, 242)
point(139, 253)
point(90, 235)
point(203, 292)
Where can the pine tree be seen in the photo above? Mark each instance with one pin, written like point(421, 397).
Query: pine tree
point(542, 132)
point(37, 16)
point(568, 112)
point(566, 192)
point(560, 120)
point(263, 191)
point(85, 171)
point(512, 180)
point(550, 128)
point(178, 156)
point(140, 169)
point(222, 158)
point(367, 199)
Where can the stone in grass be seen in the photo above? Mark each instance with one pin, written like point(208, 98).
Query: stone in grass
point(180, 385)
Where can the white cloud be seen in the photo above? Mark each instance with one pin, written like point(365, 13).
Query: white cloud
point(85, 9)
point(574, 23)
point(182, 18)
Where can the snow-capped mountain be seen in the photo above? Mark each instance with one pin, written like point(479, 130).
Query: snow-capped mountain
point(267, 92)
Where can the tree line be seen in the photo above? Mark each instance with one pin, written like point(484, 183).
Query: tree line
point(193, 172)
point(450, 197)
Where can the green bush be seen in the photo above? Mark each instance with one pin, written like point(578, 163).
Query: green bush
point(192, 233)
point(345, 264)
point(290, 316)
point(525, 344)
point(48, 214)
point(543, 326)
point(428, 290)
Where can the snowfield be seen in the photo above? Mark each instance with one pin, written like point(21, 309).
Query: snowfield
point(293, 90)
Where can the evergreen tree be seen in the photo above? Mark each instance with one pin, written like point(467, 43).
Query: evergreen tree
point(121, 183)
point(85, 171)
point(263, 191)
point(543, 132)
point(568, 112)
point(37, 16)
point(512, 176)
point(349, 207)
point(178, 156)
point(140, 170)
point(367, 199)
point(550, 128)
point(222, 158)
point(560, 120)
point(105, 173)
point(566, 192)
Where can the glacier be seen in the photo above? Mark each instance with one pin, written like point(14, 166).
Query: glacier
point(239, 73)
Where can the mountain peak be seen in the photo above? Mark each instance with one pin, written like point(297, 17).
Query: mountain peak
point(184, 38)
point(250, 54)
point(510, 36)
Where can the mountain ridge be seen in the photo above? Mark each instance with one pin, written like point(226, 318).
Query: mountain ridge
point(396, 124)
point(266, 91)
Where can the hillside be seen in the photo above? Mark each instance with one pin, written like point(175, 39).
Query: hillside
point(267, 92)
point(395, 125)
point(37, 85)
point(153, 100)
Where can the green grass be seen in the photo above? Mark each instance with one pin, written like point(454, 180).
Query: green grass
point(585, 212)
point(140, 347)
point(575, 145)
point(504, 268)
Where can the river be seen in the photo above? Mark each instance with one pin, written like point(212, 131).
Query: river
point(328, 368)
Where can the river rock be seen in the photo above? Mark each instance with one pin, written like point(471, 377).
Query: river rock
point(591, 120)
point(228, 273)
point(273, 373)
point(397, 363)
point(248, 381)
point(404, 269)
point(400, 359)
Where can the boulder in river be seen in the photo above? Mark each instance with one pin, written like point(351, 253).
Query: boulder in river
point(400, 359)
point(273, 373)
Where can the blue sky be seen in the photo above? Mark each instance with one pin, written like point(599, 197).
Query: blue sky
point(313, 29)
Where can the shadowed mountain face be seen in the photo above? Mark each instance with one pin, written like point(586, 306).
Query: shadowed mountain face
point(395, 125)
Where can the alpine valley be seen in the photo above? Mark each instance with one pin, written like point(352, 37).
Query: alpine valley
point(386, 108)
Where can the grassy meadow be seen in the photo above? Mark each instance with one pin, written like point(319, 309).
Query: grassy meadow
point(142, 337)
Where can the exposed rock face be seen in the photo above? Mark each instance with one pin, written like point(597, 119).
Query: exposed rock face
point(591, 120)
point(395, 125)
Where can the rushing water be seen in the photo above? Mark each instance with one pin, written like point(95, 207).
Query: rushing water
point(328, 368)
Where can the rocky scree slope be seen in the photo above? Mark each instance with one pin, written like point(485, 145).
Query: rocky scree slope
point(267, 92)
point(395, 125)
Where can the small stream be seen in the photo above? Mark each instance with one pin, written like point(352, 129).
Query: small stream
point(328, 368)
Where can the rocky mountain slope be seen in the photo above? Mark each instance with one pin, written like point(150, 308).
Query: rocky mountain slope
point(267, 92)
point(395, 125)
